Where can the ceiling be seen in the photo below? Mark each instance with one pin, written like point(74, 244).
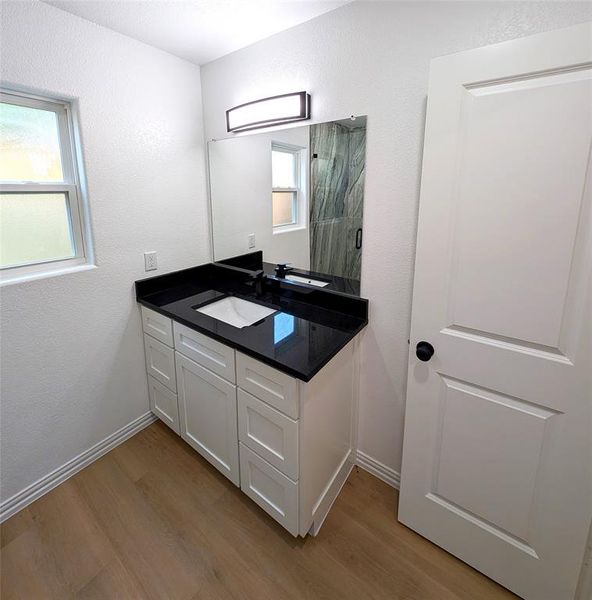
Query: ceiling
point(198, 30)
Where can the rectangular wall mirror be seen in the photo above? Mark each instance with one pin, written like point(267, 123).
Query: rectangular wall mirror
point(293, 196)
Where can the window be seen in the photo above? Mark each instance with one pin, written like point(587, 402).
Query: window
point(41, 210)
point(286, 185)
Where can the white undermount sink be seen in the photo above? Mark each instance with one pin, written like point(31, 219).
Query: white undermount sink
point(308, 280)
point(236, 312)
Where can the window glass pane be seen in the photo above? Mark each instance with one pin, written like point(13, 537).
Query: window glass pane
point(283, 169)
point(34, 228)
point(283, 208)
point(29, 144)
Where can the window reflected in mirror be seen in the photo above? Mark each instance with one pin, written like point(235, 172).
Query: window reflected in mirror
point(295, 195)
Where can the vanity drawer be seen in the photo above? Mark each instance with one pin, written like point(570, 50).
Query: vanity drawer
point(160, 362)
point(275, 493)
point(268, 384)
point(205, 351)
point(269, 433)
point(163, 403)
point(157, 326)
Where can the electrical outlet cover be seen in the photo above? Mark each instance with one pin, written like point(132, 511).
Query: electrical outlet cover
point(150, 262)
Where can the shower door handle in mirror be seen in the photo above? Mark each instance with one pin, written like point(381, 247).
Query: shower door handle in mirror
point(359, 238)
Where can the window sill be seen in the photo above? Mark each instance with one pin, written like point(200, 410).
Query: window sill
point(288, 229)
point(16, 278)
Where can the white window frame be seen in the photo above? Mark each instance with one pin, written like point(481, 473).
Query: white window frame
point(70, 186)
point(299, 199)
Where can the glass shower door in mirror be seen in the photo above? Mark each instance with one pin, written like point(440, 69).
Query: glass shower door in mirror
point(292, 196)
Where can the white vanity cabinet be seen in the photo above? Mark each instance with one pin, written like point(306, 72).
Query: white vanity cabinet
point(296, 439)
point(286, 443)
point(207, 414)
point(160, 362)
point(163, 403)
point(268, 432)
point(160, 367)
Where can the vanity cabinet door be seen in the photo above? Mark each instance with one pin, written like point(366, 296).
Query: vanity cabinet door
point(208, 416)
point(163, 403)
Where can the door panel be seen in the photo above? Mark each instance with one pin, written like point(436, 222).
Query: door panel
point(519, 203)
point(497, 457)
point(481, 431)
point(208, 417)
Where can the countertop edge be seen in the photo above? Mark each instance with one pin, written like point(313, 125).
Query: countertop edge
point(305, 377)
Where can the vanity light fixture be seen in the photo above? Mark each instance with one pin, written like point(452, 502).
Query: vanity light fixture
point(276, 110)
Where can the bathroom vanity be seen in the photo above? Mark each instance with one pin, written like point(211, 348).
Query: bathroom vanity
point(269, 400)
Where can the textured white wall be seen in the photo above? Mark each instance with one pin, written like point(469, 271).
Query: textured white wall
point(372, 58)
point(72, 359)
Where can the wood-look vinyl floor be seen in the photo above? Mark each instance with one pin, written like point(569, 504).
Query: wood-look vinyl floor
point(152, 519)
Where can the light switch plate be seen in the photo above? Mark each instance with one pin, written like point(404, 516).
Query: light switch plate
point(251, 240)
point(150, 262)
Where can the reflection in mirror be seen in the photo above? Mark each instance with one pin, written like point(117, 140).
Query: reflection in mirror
point(292, 196)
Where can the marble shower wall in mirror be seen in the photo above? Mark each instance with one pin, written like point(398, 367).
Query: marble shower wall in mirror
point(338, 160)
point(293, 196)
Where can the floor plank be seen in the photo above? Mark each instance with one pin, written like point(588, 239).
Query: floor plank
point(152, 519)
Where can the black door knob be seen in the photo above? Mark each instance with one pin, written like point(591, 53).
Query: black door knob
point(424, 351)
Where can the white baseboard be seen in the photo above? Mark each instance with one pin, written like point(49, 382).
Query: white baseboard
point(380, 470)
point(23, 498)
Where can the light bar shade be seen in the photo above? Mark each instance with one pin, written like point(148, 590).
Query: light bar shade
point(267, 112)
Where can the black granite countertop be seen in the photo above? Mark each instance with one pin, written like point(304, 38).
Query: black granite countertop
point(254, 261)
point(309, 328)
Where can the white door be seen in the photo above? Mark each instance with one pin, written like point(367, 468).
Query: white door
point(497, 457)
point(208, 415)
